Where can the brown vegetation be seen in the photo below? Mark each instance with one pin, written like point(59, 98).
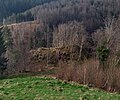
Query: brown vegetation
point(78, 37)
point(89, 73)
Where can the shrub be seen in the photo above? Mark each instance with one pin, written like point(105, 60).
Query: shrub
point(90, 74)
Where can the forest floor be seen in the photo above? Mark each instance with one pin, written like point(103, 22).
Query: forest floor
point(45, 88)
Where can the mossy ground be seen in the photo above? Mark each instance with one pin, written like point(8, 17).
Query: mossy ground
point(42, 88)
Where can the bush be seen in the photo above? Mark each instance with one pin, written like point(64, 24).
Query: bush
point(89, 73)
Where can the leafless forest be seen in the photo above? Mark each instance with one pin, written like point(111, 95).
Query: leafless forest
point(78, 39)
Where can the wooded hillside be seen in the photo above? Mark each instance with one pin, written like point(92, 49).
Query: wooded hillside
point(78, 38)
point(11, 7)
point(91, 12)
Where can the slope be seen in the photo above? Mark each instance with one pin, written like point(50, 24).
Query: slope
point(42, 88)
point(8, 7)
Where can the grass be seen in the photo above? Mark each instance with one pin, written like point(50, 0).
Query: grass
point(42, 88)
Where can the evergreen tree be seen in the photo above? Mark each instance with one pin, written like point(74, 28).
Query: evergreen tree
point(3, 60)
point(7, 37)
point(11, 52)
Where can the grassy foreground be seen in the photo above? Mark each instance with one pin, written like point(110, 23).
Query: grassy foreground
point(41, 88)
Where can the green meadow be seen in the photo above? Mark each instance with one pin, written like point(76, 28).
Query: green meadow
point(43, 88)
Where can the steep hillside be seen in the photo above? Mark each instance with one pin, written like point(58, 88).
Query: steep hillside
point(91, 12)
point(22, 32)
point(9, 7)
